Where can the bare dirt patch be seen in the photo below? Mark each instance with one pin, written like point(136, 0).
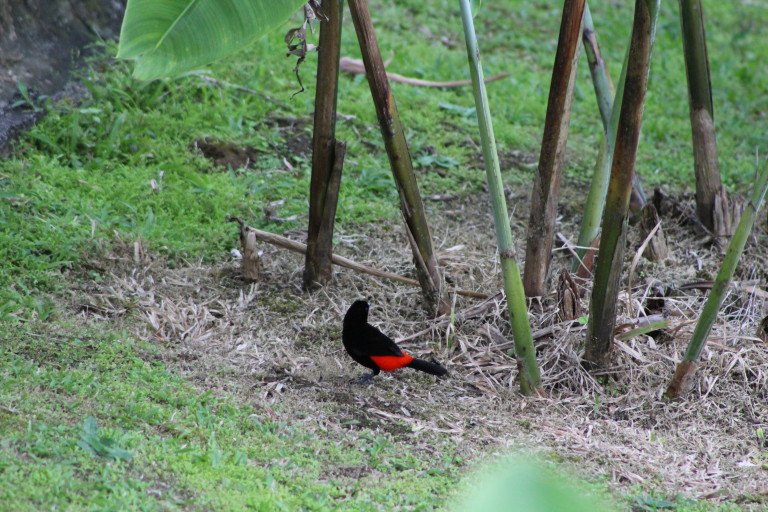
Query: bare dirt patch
point(280, 350)
point(226, 155)
point(298, 142)
point(41, 42)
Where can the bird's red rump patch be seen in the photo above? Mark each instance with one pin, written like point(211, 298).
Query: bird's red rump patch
point(391, 363)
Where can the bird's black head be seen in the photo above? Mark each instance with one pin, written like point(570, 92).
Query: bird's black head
point(357, 313)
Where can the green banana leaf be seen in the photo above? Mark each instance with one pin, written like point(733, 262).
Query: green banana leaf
point(169, 37)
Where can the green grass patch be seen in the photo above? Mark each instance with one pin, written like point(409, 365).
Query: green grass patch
point(643, 501)
point(121, 162)
point(94, 421)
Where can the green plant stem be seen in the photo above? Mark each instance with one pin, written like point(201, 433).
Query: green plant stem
point(683, 377)
point(604, 92)
point(696, 60)
point(530, 377)
point(725, 275)
point(593, 210)
point(546, 187)
point(600, 78)
point(602, 318)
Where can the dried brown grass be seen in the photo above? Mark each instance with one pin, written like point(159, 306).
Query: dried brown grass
point(284, 346)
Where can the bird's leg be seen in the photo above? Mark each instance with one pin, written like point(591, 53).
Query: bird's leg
point(365, 378)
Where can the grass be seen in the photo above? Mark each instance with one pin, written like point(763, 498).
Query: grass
point(95, 421)
point(92, 419)
point(119, 165)
point(84, 175)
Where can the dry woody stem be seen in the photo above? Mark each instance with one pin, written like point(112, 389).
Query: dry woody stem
point(706, 165)
point(411, 204)
point(292, 245)
point(327, 153)
point(546, 187)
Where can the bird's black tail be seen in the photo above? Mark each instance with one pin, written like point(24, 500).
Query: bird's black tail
point(427, 367)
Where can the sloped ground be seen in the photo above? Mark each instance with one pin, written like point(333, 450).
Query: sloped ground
point(281, 349)
point(41, 42)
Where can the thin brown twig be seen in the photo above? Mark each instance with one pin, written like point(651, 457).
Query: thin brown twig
point(635, 261)
point(475, 311)
point(292, 245)
point(356, 67)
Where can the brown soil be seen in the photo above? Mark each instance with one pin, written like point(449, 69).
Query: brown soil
point(280, 350)
point(43, 40)
point(227, 155)
point(41, 43)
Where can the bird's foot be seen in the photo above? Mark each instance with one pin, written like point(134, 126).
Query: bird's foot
point(368, 377)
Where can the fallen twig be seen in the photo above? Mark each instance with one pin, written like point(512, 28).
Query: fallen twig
point(356, 67)
point(292, 245)
point(475, 311)
point(747, 286)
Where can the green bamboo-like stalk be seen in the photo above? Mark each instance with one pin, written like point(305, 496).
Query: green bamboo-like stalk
point(546, 186)
point(530, 378)
point(602, 318)
point(600, 77)
point(683, 376)
point(593, 210)
point(706, 165)
point(317, 266)
point(604, 92)
point(400, 162)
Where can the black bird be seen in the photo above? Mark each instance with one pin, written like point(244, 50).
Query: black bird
point(375, 350)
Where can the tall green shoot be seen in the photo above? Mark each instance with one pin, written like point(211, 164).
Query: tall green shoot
point(682, 380)
point(602, 317)
point(530, 377)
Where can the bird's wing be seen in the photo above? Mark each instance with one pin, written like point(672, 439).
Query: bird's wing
point(379, 344)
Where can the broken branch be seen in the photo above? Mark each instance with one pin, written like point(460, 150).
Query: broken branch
point(292, 245)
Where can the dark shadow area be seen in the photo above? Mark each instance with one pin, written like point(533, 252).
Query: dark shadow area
point(41, 42)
